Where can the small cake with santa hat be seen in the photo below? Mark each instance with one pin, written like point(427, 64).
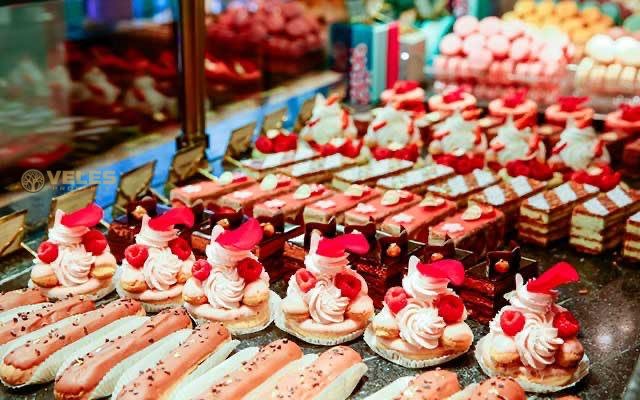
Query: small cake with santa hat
point(513, 143)
point(578, 148)
point(422, 322)
point(327, 302)
point(392, 134)
point(156, 267)
point(533, 339)
point(75, 259)
point(456, 134)
point(406, 96)
point(329, 121)
point(231, 285)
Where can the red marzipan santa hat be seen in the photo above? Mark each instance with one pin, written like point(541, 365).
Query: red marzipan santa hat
point(87, 217)
point(174, 216)
point(338, 246)
point(560, 274)
point(453, 270)
point(243, 238)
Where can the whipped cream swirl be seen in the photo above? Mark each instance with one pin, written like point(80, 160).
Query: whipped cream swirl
point(64, 235)
point(579, 151)
point(161, 269)
point(394, 127)
point(516, 143)
point(461, 134)
point(328, 122)
point(220, 256)
point(326, 304)
point(73, 265)
point(421, 287)
point(324, 266)
point(420, 326)
point(537, 343)
point(529, 303)
point(152, 238)
point(224, 288)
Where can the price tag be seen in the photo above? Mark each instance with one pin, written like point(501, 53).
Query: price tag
point(186, 163)
point(12, 232)
point(240, 141)
point(72, 201)
point(305, 111)
point(274, 120)
point(133, 184)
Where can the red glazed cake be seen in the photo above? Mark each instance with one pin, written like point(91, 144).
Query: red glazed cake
point(417, 219)
point(631, 249)
point(270, 186)
point(370, 173)
point(569, 107)
point(376, 210)
point(461, 187)
point(209, 191)
point(546, 217)
point(417, 180)
point(337, 204)
point(291, 204)
point(506, 196)
point(597, 225)
point(478, 229)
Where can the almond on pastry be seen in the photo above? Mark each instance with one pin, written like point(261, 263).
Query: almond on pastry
point(570, 353)
point(360, 309)
point(386, 332)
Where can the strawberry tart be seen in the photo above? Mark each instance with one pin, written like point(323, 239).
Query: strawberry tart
point(329, 120)
point(392, 134)
point(578, 149)
point(457, 134)
point(513, 143)
point(327, 302)
point(625, 119)
point(569, 108)
point(231, 285)
point(422, 323)
point(156, 267)
point(515, 105)
point(405, 95)
point(456, 99)
point(533, 339)
point(75, 260)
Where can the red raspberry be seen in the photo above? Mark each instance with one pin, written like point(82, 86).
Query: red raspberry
point(249, 269)
point(280, 143)
point(201, 269)
point(511, 322)
point(94, 242)
point(381, 153)
point(136, 255)
point(463, 165)
point(180, 248)
point(541, 172)
point(348, 284)
point(47, 252)
point(350, 149)
point(305, 280)
point(566, 324)
point(450, 308)
point(396, 299)
point(264, 144)
point(328, 150)
point(608, 182)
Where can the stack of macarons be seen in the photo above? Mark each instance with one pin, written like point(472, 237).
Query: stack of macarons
point(611, 65)
point(495, 56)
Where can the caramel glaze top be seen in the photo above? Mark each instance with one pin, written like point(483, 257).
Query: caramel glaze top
point(32, 354)
point(21, 297)
point(30, 321)
point(253, 373)
point(154, 383)
point(85, 373)
point(308, 383)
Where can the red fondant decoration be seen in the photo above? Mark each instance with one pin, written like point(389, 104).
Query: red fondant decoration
point(560, 274)
point(166, 221)
point(336, 247)
point(87, 217)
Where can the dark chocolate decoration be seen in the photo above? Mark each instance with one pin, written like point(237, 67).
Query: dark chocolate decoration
point(368, 230)
point(328, 229)
point(402, 241)
point(447, 249)
point(513, 257)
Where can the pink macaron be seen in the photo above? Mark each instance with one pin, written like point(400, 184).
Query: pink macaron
point(465, 26)
point(473, 42)
point(440, 66)
point(480, 59)
point(499, 45)
point(451, 45)
point(490, 26)
point(513, 29)
point(551, 54)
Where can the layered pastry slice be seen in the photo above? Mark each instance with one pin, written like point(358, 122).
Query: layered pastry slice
point(94, 374)
point(75, 260)
point(27, 322)
point(320, 169)
point(209, 191)
point(270, 186)
point(459, 188)
point(251, 373)
point(336, 205)
point(292, 204)
point(477, 229)
point(507, 196)
point(166, 372)
point(598, 224)
point(422, 322)
point(370, 173)
point(327, 302)
point(34, 360)
point(231, 285)
point(487, 282)
point(533, 339)
point(376, 210)
point(631, 248)
point(546, 217)
point(258, 168)
point(417, 219)
point(333, 374)
point(156, 268)
point(417, 180)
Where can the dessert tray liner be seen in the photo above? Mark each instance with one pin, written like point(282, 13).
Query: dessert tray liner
point(581, 372)
point(148, 307)
point(274, 306)
point(101, 293)
point(397, 358)
point(282, 325)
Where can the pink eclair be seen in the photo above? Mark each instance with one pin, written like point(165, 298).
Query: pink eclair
point(21, 297)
